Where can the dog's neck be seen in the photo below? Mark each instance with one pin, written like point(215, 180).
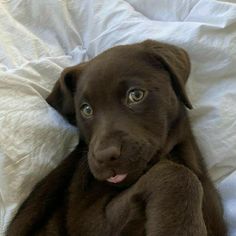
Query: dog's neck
point(181, 146)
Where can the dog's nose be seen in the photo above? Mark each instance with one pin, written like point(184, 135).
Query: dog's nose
point(107, 155)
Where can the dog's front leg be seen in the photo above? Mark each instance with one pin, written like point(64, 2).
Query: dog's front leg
point(173, 201)
point(126, 213)
point(167, 200)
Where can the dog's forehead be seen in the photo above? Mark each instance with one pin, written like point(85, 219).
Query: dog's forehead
point(116, 65)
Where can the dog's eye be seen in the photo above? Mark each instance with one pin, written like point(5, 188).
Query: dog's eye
point(86, 110)
point(135, 96)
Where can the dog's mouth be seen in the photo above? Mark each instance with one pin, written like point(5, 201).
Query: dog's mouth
point(132, 163)
point(117, 178)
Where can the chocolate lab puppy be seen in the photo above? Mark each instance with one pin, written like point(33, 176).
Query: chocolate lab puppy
point(138, 170)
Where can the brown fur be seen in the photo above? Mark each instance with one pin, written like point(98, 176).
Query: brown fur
point(167, 190)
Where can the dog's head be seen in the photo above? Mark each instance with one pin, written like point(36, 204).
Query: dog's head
point(127, 103)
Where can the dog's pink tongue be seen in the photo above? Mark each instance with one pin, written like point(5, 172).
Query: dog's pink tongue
point(117, 178)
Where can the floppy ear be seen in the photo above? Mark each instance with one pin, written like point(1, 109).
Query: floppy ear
point(176, 61)
point(62, 95)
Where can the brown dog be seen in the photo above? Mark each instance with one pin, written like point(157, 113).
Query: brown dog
point(142, 173)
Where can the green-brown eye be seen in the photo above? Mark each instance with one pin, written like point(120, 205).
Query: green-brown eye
point(86, 110)
point(135, 96)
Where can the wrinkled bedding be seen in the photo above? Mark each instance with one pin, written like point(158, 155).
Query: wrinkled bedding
point(39, 38)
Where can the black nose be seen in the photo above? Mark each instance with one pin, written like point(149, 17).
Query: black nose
point(107, 155)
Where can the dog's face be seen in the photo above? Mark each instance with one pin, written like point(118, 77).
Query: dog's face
point(125, 102)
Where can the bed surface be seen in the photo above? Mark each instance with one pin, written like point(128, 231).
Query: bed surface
point(39, 39)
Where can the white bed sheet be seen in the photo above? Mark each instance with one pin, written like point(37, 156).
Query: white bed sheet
point(39, 38)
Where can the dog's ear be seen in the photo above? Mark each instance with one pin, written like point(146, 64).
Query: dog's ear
point(176, 61)
point(62, 95)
